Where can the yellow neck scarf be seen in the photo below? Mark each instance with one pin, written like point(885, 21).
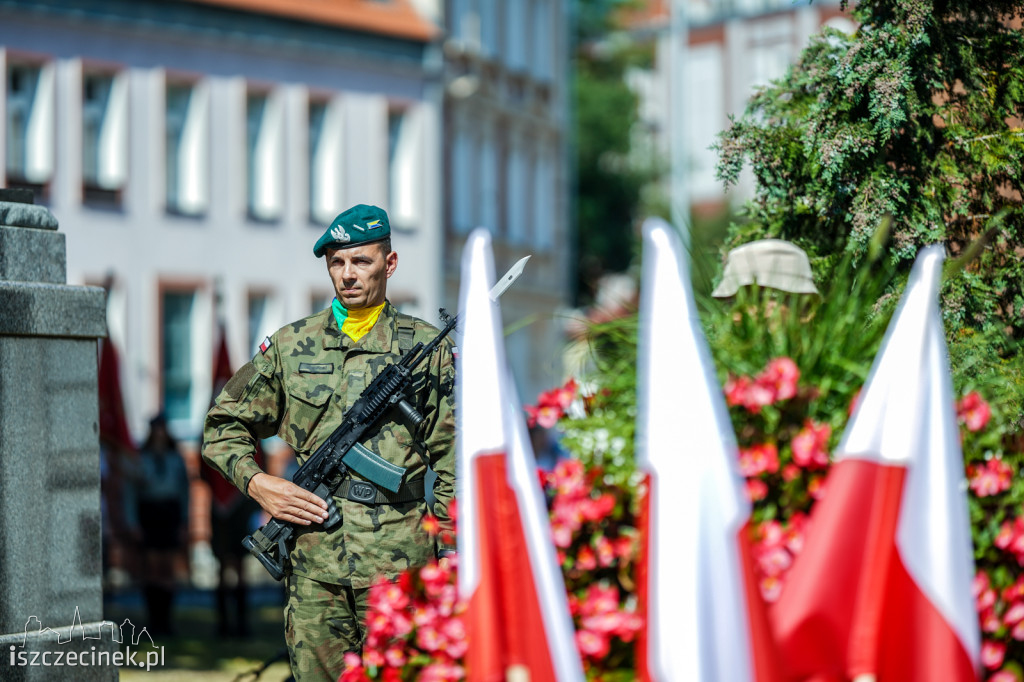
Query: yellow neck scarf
point(355, 323)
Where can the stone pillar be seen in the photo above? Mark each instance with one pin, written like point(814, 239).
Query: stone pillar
point(51, 593)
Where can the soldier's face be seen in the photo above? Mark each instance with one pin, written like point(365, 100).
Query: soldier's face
point(360, 274)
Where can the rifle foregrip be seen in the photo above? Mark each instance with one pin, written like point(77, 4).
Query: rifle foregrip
point(412, 416)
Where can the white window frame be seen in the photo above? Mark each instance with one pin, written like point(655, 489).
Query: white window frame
point(37, 165)
point(105, 113)
point(326, 160)
point(264, 155)
point(404, 155)
point(186, 191)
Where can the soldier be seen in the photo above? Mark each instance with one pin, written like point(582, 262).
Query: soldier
point(298, 387)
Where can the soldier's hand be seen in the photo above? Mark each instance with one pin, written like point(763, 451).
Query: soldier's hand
point(286, 501)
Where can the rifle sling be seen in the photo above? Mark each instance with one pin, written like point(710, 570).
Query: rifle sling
point(367, 493)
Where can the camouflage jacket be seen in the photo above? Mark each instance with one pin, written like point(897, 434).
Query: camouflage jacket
point(299, 389)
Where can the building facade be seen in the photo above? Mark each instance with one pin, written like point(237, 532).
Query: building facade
point(506, 94)
point(194, 151)
point(732, 47)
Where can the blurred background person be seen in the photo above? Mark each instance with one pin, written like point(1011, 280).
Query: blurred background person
point(231, 519)
point(157, 514)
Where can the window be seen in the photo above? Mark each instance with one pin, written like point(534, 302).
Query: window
point(264, 315)
point(515, 34)
point(463, 188)
point(489, 27)
point(30, 124)
point(516, 214)
point(264, 156)
point(326, 161)
point(177, 331)
point(186, 124)
point(541, 51)
point(544, 217)
point(402, 181)
point(320, 300)
point(487, 206)
point(104, 136)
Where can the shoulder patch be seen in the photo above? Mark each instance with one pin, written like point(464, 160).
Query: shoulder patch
point(267, 343)
point(236, 384)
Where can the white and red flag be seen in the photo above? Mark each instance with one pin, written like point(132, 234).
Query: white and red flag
point(517, 613)
point(704, 617)
point(882, 588)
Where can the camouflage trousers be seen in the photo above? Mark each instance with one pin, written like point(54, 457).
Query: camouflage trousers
point(321, 623)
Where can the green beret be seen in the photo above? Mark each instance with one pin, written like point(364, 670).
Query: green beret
point(359, 225)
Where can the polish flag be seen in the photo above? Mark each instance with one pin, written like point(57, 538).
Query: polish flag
point(882, 588)
point(222, 371)
point(114, 432)
point(704, 617)
point(517, 613)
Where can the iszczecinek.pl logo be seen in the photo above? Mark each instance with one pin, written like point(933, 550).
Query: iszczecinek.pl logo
point(124, 635)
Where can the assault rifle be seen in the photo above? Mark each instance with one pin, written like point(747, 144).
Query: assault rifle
point(330, 464)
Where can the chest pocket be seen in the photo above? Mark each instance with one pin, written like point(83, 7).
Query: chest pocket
point(308, 398)
point(355, 382)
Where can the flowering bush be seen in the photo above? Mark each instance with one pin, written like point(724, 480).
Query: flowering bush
point(596, 541)
point(414, 626)
point(788, 411)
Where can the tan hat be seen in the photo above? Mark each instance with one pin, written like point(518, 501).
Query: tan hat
point(772, 263)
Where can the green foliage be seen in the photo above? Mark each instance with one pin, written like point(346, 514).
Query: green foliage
point(603, 437)
point(610, 184)
point(916, 116)
point(833, 338)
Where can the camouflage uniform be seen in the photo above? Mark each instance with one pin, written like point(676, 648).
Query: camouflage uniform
point(299, 389)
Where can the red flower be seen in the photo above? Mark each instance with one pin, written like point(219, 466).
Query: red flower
point(1014, 592)
point(990, 478)
point(809, 446)
point(736, 391)
point(354, 671)
point(771, 588)
point(816, 487)
point(441, 671)
point(790, 472)
point(390, 674)
point(756, 489)
point(781, 375)
point(1014, 614)
point(387, 597)
point(395, 656)
point(1005, 676)
point(430, 524)
point(551, 405)
point(794, 537)
point(989, 621)
point(599, 508)
point(592, 644)
point(758, 459)
point(545, 415)
point(586, 560)
point(372, 657)
point(605, 552)
point(624, 546)
point(992, 654)
point(599, 600)
point(973, 411)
